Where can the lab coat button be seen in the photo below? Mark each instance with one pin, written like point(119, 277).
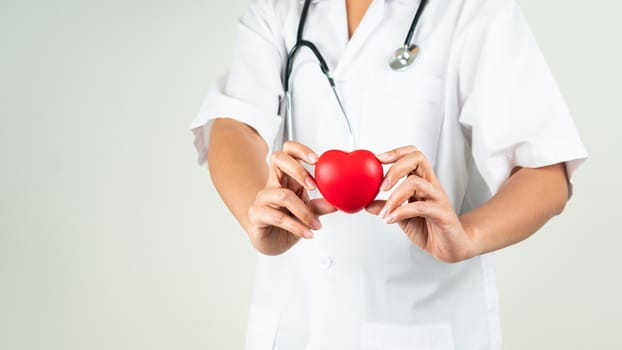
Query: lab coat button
point(326, 262)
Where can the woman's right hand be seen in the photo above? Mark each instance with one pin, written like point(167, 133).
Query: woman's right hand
point(282, 212)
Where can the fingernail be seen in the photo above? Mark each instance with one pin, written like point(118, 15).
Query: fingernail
point(382, 156)
point(308, 234)
point(384, 185)
point(382, 213)
point(310, 183)
point(312, 157)
point(389, 219)
point(316, 224)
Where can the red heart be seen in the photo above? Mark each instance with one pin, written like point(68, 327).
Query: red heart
point(349, 181)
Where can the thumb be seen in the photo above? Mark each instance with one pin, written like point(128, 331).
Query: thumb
point(376, 206)
point(320, 206)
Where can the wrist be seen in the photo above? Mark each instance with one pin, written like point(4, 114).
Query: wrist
point(473, 246)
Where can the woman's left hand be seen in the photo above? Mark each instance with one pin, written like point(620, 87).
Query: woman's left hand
point(421, 207)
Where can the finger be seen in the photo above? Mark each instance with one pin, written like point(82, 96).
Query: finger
point(430, 210)
point(412, 163)
point(284, 198)
point(395, 154)
point(320, 206)
point(376, 206)
point(293, 185)
point(415, 188)
point(300, 152)
point(267, 216)
point(282, 164)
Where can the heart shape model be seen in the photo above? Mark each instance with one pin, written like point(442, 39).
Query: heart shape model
point(349, 181)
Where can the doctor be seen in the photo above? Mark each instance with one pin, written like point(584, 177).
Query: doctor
point(478, 147)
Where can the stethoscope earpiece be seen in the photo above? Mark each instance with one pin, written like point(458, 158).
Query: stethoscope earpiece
point(403, 57)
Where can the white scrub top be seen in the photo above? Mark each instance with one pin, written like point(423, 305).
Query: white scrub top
point(479, 100)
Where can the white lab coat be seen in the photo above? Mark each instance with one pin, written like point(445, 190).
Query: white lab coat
point(478, 101)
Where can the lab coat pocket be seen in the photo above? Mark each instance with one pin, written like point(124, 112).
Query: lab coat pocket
point(381, 336)
point(262, 326)
point(403, 108)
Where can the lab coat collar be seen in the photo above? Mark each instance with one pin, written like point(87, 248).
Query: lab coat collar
point(403, 1)
point(368, 24)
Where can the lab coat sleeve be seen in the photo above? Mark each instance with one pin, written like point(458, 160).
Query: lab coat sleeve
point(510, 104)
point(249, 92)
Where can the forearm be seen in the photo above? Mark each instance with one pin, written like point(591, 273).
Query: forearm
point(528, 199)
point(237, 165)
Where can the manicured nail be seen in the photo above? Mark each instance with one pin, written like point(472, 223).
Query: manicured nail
point(307, 234)
point(383, 156)
point(312, 157)
point(310, 183)
point(384, 185)
point(316, 224)
point(383, 212)
point(389, 219)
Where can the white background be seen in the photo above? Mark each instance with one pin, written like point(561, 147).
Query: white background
point(112, 238)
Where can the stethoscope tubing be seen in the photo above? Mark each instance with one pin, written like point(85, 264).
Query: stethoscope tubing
point(413, 24)
point(301, 43)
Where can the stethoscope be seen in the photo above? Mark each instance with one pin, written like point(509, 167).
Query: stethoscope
point(401, 59)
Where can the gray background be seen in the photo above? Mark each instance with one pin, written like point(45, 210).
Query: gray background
point(112, 238)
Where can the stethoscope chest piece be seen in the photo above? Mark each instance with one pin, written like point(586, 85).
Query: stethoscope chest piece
point(403, 57)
